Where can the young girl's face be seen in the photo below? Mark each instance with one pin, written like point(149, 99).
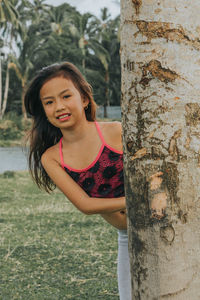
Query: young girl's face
point(62, 102)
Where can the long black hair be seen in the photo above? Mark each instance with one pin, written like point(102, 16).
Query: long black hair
point(43, 134)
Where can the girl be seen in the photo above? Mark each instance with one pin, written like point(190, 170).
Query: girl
point(82, 157)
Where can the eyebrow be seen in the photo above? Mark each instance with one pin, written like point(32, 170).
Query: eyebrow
point(51, 97)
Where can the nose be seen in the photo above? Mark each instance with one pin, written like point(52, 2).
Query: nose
point(59, 105)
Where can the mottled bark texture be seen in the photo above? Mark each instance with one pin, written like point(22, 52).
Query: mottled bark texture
point(160, 59)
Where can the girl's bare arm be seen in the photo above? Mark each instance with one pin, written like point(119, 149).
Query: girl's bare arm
point(75, 193)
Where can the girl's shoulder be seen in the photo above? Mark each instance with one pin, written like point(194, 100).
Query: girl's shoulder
point(114, 127)
point(111, 128)
point(52, 153)
point(112, 133)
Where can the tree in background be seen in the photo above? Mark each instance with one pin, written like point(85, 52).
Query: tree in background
point(54, 34)
point(9, 25)
point(108, 37)
point(29, 43)
point(82, 31)
point(161, 124)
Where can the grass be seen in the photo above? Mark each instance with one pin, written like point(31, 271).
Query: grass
point(49, 250)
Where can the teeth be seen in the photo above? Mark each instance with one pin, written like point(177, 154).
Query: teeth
point(63, 116)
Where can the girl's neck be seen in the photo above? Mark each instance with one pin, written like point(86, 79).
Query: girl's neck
point(76, 133)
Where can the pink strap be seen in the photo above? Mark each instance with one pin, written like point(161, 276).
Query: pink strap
point(60, 143)
point(61, 154)
point(99, 132)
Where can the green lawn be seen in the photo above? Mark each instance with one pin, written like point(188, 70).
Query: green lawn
point(49, 250)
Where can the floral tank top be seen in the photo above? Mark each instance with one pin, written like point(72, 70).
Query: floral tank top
point(103, 178)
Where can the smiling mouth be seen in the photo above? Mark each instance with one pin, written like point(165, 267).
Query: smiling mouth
point(64, 116)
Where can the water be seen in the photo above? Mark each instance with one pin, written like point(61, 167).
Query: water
point(13, 159)
point(113, 112)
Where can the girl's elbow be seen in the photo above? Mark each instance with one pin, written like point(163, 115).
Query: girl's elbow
point(88, 213)
point(84, 210)
point(86, 206)
point(88, 210)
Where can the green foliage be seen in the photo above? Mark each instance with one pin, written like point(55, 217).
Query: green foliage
point(49, 250)
point(8, 174)
point(14, 94)
point(13, 126)
point(55, 34)
point(9, 130)
point(8, 13)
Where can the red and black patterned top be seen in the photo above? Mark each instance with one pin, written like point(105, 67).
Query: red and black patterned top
point(103, 178)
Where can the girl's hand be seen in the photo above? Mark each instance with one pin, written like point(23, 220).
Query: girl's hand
point(116, 219)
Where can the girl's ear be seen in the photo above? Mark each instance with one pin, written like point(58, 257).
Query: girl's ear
point(85, 102)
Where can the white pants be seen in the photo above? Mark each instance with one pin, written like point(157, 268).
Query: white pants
point(123, 266)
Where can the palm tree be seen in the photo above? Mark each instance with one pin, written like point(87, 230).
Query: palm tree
point(32, 25)
point(9, 23)
point(37, 10)
point(59, 36)
point(83, 29)
point(108, 37)
point(22, 71)
point(42, 39)
point(28, 47)
point(59, 18)
point(8, 12)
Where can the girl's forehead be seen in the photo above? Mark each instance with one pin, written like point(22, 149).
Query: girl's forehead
point(56, 84)
point(59, 80)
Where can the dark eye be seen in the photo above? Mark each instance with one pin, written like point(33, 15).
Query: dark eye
point(66, 96)
point(48, 102)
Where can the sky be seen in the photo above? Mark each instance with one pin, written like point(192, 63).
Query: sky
point(92, 6)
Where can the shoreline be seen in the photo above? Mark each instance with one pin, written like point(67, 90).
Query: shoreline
point(14, 143)
point(11, 143)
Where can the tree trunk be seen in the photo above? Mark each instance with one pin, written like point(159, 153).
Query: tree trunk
point(105, 112)
point(5, 98)
point(0, 87)
point(107, 98)
point(160, 50)
point(23, 106)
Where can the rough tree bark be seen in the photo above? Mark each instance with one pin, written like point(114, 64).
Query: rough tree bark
point(160, 59)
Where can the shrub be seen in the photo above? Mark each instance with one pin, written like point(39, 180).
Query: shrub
point(13, 126)
point(9, 174)
point(9, 130)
